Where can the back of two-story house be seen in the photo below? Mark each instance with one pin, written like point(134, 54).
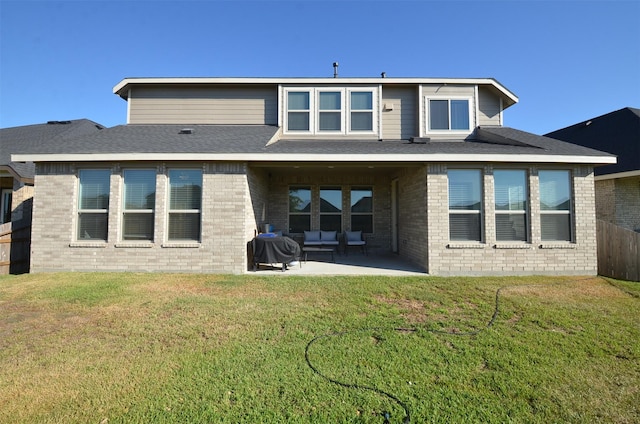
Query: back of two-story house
point(423, 167)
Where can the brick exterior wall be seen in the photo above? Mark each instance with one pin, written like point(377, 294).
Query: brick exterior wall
point(238, 199)
point(227, 225)
point(492, 258)
point(618, 202)
point(413, 218)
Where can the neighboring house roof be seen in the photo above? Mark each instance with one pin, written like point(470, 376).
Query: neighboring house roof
point(616, 132)
point(33, 138)
point(263, 143)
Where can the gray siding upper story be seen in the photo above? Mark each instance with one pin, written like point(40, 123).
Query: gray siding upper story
point(399, 112)
point(223, 105)
point(401, 106)
point(489, 108)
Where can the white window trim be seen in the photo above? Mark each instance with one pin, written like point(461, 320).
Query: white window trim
point(427, 111)
point(345, 110)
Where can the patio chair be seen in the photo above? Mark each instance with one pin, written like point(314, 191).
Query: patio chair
point(354, 238)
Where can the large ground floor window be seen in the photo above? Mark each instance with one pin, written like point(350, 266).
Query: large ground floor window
point(93, 204)
point(465, 204)
point(555, 205)
point(299, 209)
point(362, 209)
point(340, 208)
point(511, 201)
point(185, 203)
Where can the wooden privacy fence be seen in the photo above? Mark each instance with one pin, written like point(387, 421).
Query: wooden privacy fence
point(15, 246)
point(618, 252)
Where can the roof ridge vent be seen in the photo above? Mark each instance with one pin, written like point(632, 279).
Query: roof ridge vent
point(186, 131)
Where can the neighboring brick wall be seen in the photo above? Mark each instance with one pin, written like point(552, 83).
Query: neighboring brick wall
point(225, 226)
point(606, 200)
point(22, 201)
point(627, 203)
point(618, 202)
point(491, 258)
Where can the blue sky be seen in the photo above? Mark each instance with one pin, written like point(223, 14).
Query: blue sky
point(566, 60)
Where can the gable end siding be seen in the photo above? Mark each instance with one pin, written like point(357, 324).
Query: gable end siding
point(488, 107)
point(230, 105)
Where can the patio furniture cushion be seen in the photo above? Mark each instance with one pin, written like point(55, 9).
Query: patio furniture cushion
point(329, 238)
point(312, 238)
point(354, 238)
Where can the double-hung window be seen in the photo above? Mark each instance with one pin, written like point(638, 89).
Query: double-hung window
point(361, 111)
point(465, 204)
point(448, 115)
point(298, 111)
point(299, 209)
point(362, 209)
point(511, 204)
point(555, 205)
point(331, 209)
point(185, 203)
point(139, 199)
point(330, 111)
point(93, 204)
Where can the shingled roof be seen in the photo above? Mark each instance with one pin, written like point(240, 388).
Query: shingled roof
point(616, 132)
point(38, 137)
point(264, 143)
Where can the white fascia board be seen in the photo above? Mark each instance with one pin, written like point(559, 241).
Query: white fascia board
point(121, 88)
point(626, 174)
point(294, 157)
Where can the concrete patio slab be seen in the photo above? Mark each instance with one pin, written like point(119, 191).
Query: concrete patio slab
point(353, 264)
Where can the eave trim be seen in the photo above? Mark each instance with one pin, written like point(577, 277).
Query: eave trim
point(296, 157)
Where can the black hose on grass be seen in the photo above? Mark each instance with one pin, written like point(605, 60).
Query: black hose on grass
point(407, 417)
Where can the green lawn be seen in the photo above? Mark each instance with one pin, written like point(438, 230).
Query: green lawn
point(153, 348)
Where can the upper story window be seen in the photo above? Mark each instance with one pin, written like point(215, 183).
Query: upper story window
point(448, 115)
point(329, 110)
point(138, 205)
point(361, 103)
point(298, 111)
point(93, 204)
